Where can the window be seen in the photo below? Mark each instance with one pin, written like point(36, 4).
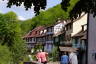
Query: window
point(47, 46)
point(45, 31)
point(41, 32)
point(50, 29)
point(43, 39)
point(56, 39)
point(36, 32)
point(66, 27)
point(30, 39)
point(76, 40)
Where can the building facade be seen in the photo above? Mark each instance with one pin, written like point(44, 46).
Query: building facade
point(74, 27)
point(49, 39)
point(59, 32)
point(79, 41)
point(75, 37)
point(34, 37)
point(40, 36)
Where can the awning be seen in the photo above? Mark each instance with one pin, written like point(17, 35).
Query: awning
point(68, 49)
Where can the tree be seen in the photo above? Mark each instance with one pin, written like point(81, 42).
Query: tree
point(18, 50)
point(55, 54)
point(8, 28)
point(10, 35)
point(81, 6)
point(45, 18)
point(38, 4)
point(5, 55)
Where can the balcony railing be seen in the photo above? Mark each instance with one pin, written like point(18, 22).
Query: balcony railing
point(49, 41)
point(49, 32)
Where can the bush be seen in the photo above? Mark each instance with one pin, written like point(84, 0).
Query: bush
point(53, 56)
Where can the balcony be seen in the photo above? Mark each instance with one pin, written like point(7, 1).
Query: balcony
point(51, 41)
point(49, 33)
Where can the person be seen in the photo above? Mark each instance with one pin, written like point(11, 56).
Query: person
point(73, 58)
point(43, 56)
point(38, 57)
point(64, 59)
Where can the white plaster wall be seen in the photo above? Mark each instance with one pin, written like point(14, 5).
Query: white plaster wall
point(58, 27)
point(77, 24)
point(91, 39)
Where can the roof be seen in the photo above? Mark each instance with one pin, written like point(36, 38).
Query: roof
point(50, 26)
point(70, 21)
point(35, 32)
point(59, 21)
point(84, 37)
point(80, 34)
point(68, 49)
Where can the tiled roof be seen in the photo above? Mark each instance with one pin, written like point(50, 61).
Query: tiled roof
point(35, 32)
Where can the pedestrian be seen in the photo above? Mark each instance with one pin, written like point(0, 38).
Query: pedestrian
point(64, 59)
point(38, 56)
point(73, 58)
point(43, 56)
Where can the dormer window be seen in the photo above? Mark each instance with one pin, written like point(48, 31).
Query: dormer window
point(45, 31)
point(41, 32)
point(36, 32)
point(84, 27)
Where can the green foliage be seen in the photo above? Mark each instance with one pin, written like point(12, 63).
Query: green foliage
point(45, 18)
point(87, 6)
point(38, 4)
point(38, 47)
point(27, 25)
point(8, 28)
point(18, 50)
point(53, 56)
point(10, 35)
point(81, 6)
point(48, 17)
point(5, 55)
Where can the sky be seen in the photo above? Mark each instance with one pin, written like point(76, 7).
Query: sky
point(21, 12)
